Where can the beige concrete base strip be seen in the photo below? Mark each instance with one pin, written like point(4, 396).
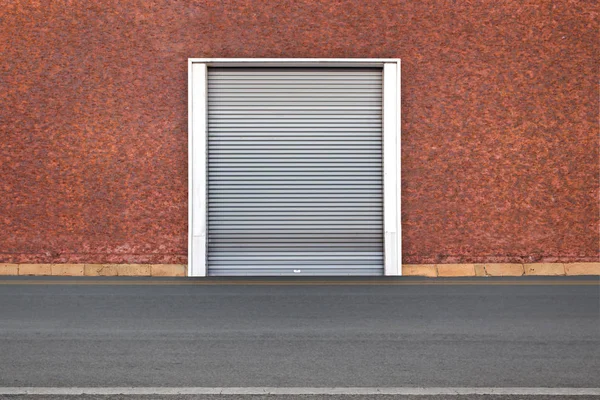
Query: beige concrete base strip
point(515, 269)
point(9, 269)
point(426, 270)
point(582, 269)
point(94, 269)
point(307, 391)
point(429, 270)
point(456, 269)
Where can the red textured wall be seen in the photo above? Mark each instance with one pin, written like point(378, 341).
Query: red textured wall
point(499, 120)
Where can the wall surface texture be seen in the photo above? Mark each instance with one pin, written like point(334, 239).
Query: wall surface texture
point(500, 157)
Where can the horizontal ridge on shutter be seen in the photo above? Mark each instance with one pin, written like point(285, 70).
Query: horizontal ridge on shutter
point(295, 171)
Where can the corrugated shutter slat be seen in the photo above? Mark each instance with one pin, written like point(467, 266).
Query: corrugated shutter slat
point(295, 171)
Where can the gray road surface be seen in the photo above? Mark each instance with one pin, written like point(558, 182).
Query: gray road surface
point(135, 332)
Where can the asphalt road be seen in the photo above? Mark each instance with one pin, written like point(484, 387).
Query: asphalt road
point(540, 332)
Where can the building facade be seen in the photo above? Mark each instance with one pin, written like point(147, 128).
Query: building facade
point(497, 105)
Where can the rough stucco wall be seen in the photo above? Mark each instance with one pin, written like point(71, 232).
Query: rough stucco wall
point(499, 119)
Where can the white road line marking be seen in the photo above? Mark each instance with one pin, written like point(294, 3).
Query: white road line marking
point(406, 391)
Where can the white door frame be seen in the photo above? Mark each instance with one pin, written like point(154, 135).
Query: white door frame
point(197, 156)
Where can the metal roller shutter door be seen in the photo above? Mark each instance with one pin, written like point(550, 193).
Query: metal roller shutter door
point(295, 171)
